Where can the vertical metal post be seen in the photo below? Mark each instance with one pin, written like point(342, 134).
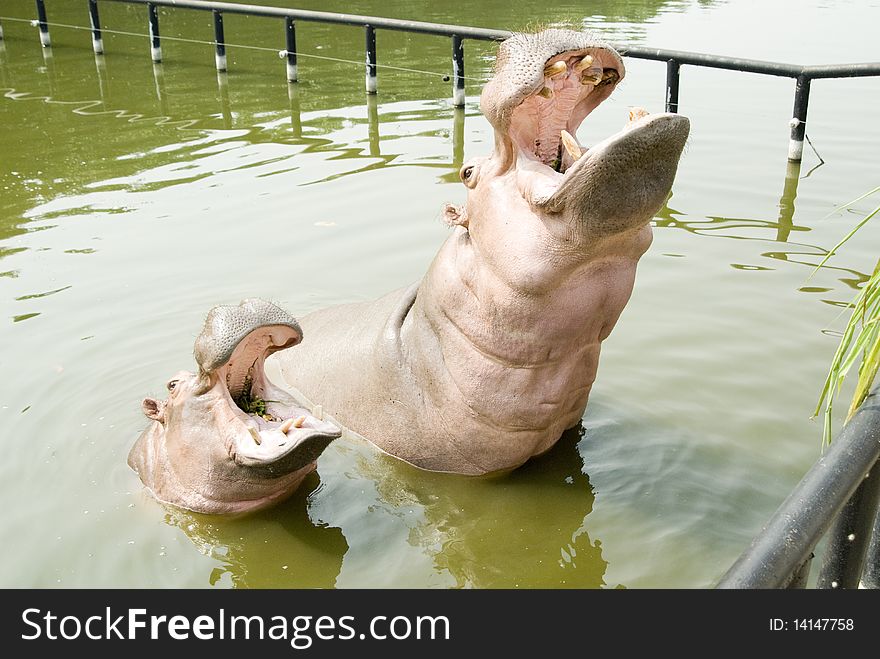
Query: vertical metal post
point(97, 40)
point(45, 40)
point(155, 44)
point(672, 71)
point(219, 41)
point(849, 536)
point(798, 121)
point(290, 36)
point(457, 71)
point(371, 60)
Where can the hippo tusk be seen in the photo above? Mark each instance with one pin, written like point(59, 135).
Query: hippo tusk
point(255, 435)
point(555, 69)
point(584, 63)
point(571, 145)
point(591, 78)
point(546, 92)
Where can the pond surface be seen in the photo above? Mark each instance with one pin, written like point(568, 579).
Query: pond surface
point(133, 198)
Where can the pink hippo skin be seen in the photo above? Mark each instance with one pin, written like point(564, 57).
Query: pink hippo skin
point(225, 440)
point(485, 362)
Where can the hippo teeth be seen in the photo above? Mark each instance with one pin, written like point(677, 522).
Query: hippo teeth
point(636, 113)
point(556, 69)
point(571, 145)
point(584, 63)
point(292, 423)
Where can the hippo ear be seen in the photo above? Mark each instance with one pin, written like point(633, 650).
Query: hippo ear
point(455, 215)
point(154, 409)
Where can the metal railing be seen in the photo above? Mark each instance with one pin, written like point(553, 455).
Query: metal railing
point(803, 75)
point(838, 496)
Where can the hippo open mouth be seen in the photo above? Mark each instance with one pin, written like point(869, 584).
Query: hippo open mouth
point(269, 429)
point(544, 86)
point(226, 440)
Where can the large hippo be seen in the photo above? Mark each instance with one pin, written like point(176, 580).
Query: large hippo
point(226, 440)
point(486, 361)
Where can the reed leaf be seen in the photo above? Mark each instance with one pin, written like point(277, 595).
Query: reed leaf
point(860, 342)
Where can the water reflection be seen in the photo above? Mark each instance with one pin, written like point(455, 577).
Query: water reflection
point(782, 228)
point(103, 84)
point(223, 89)
point(457, 137)
point(295, 118)
point(373, 124)
point(525, 529)
point(278, 548)
point(159, 85)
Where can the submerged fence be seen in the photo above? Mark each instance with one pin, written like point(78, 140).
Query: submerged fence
point(803, 75)
point(839, 495)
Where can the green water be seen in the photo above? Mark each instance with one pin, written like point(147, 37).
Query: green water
point(133, 198)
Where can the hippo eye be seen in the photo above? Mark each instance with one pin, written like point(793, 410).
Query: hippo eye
point(171, 384)
point(467, 172)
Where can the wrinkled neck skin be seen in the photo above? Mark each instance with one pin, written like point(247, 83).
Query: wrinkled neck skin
point(510, 317)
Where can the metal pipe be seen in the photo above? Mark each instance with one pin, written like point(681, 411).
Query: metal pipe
point(842, 70)
point(871, 573)
point(466, 32)
point(798, 524)
point(155, 44)
point(849, 537)
point(219, 42)
point(800, 576)
point(333, 17)
point(1, 32)
point(457, 71)
point(290, 39)
point(798, 121)
point(713, 61)
point(672, 71)
point(42, 21)
point(97, 40)
point(371, 60)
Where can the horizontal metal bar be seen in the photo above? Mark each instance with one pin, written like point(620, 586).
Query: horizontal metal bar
point(332, 17)
point(843, 70)
point(713, 61)
point(638, 52)
point(807, 513)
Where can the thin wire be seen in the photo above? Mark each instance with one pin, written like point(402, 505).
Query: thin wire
point(809, 141)
point(239, 45)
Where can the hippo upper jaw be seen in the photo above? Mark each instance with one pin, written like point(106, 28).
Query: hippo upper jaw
point(544, 84)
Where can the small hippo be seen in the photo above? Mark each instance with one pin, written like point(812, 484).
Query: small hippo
point(225, 440)
point(491, 356)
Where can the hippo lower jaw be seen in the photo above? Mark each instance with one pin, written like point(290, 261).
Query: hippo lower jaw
point(269, 431)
